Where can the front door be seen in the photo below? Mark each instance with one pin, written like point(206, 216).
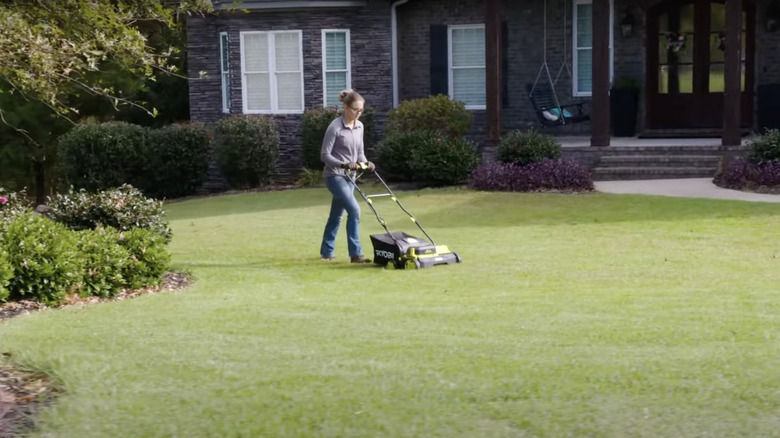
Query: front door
point(685, 49)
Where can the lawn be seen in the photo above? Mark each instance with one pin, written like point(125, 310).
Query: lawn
point(588, 315)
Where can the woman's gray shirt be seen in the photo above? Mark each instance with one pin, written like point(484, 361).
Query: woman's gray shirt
point(341, 145)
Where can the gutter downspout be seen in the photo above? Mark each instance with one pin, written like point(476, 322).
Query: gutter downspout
point(394, 42)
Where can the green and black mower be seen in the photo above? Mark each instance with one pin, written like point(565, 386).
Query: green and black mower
point(399, 250)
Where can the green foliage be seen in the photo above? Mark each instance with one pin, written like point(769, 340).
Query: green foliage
point(438, 113)
point(46, 262)
point(123, 208)
point(427, 157)
point(765, 147)
point(178, 158)
point(309, 178)
point(72, 41)
point(13, 204)
point(247, 148)
point(103, 261)
point(313, 126)
point(100, 156)
point(149, 257)
point(6, 272)
point(525, 147)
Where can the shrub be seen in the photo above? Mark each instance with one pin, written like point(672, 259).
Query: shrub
point(44, 257)
point(309, 178)
point(563, 175)
point(13, 204)
point(104, 260)
point(99, 156)
point(149, 258)
point(177, 160)
point(743, 174)
point(6, 272)
point(437, 113)
point(313, 126)
point(765, 147)
point(525, 147)
point(247, 148)
point(427, 157)
point(123, 208)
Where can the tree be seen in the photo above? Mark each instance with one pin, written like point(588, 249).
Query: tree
point(51, 48)
point(61, 59)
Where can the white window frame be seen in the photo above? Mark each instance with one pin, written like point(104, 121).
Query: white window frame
point(224, 48)
point(575, 49)
point(272, 72)
point(450, 84)
point(325, 70)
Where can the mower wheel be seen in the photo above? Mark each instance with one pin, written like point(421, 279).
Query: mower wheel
point(412, 264)
point(390, 265)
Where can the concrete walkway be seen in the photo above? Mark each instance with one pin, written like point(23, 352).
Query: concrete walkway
point(687, 188)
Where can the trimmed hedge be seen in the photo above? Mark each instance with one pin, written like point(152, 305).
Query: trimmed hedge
point(177, 158)
point(436, 113)
point(525, 147)
point(427, 157)
point(765, 147)
point(98, 156)
point(247, 148)
point(104, 260)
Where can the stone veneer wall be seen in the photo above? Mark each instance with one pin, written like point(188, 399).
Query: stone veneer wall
point(370, 47)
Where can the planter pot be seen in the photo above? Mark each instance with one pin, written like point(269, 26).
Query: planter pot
point(624, 103)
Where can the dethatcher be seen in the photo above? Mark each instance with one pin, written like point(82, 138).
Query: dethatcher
point(399, 250)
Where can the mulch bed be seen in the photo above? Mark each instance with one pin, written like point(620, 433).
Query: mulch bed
point(23, 393)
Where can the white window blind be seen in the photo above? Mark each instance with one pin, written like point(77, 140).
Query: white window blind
point(272, 72)
point(467, 65)
point(336, 65)
point(224, 65)
point(583, 47)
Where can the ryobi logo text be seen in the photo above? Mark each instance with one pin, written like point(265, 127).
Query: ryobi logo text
point(384, 254)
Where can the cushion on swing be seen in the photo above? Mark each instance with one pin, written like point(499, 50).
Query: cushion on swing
point(553, 114)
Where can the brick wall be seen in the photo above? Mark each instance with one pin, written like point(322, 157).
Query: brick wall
point(371, 64)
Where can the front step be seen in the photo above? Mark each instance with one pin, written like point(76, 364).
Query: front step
point(660, 161)
point(637, 173)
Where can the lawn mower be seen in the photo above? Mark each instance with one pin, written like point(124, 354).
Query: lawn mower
point(399, 250)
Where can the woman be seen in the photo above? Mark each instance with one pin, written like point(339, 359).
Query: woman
point(342, 150)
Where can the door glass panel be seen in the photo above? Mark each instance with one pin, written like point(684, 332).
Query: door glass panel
point(675, 54)
point(717, 46)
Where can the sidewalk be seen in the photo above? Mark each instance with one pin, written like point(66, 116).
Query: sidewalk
point(687, 188)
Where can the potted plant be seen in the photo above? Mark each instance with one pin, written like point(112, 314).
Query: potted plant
point(624, 104)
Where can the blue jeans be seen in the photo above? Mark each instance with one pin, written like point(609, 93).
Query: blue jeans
point(343, 200)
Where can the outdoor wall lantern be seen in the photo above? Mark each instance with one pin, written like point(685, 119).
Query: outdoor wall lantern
point(772, 16)
point(627, 25)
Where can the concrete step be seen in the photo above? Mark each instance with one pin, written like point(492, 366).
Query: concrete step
point(635, 172)
point(659, 161)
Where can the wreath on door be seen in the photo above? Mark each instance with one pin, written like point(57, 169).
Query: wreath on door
point(675, 41)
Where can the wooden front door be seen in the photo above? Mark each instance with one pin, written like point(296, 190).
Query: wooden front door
point(685, 65)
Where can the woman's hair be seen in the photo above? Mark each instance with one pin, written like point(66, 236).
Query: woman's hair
point(349, 97)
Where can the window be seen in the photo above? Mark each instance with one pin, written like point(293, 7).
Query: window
point(272, 72)
point(582, 55)
point(336, 70)
point(224, 65)
point(467, 65)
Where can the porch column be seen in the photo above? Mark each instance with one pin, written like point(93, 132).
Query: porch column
point(493, 70)
point(732, 95)
point(599, 115)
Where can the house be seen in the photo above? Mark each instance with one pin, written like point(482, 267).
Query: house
point(281, 57)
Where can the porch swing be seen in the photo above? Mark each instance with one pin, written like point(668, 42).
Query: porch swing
point(542, 93)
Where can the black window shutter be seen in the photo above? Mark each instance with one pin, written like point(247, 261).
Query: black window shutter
point(439, 60)
point(504, 64)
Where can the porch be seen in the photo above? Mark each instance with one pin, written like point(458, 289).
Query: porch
point(633, 158)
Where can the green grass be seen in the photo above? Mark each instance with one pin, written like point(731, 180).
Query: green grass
point(571, 316)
